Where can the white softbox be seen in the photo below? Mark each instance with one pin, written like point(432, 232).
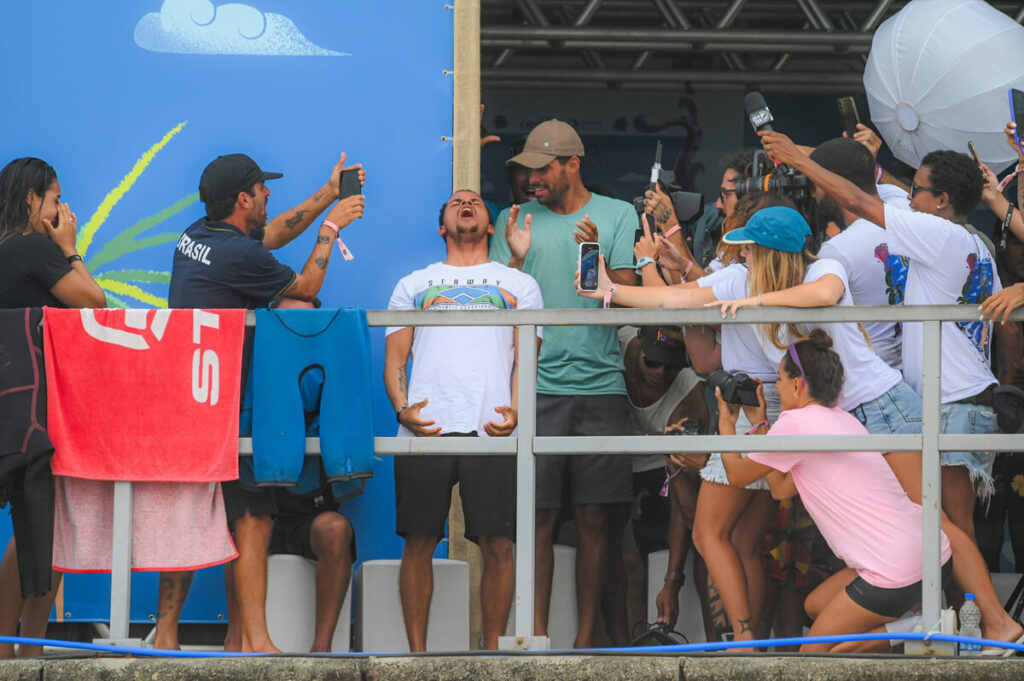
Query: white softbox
point(938, 76)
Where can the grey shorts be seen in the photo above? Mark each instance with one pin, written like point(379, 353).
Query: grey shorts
point(587, 478)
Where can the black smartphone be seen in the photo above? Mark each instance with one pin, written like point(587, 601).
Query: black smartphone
point(848, 112)
point(691, 427)
point(589, 265)
point(974, 152)
point(1017, 113)
point(349, 185)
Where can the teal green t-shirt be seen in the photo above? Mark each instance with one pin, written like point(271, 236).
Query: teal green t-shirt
point(574, 360)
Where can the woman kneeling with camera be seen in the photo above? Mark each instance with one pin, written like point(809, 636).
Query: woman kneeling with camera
point(853, 497)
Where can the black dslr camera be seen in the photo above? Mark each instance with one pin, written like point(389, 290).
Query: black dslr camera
point(688, 206)
point(691, 427)
point(736, 388)
point(765, 177)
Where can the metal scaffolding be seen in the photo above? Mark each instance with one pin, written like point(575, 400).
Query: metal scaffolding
point(791, 45)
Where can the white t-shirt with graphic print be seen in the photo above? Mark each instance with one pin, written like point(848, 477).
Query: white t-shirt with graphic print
point(865, 375)
point(464, 371)
point(948, 266)
point(876, 278)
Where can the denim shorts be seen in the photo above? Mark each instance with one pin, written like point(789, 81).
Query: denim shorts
point(898, 411)
point(972, 419)
point(714, 469)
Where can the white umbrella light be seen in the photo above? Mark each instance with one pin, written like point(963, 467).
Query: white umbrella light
point(938, 76)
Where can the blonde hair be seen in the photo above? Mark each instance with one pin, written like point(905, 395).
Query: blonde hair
point(771, 270)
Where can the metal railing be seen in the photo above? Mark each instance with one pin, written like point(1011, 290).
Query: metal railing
point(525, 444)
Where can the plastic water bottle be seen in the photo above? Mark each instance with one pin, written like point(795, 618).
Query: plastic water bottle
point(970, 625)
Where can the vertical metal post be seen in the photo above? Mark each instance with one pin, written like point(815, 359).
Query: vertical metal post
point(121, 562)
point(526, 474)
point(931, 475)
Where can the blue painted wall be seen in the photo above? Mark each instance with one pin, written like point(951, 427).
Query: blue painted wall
point(98, 90)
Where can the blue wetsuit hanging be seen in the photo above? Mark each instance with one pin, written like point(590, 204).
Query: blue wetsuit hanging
point(287, 342)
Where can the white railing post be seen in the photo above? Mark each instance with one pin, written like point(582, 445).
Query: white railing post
point(121, 566)
point(931, 476)
point(526, 473)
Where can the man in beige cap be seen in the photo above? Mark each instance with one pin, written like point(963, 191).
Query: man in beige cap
point(580, 388)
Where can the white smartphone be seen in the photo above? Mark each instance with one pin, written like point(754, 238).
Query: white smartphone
point(589, 265)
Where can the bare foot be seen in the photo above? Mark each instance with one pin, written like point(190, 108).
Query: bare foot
point(1008, 630)
point(263, 646)
point(166, 643)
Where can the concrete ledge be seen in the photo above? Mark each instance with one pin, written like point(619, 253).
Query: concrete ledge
point(507, 668)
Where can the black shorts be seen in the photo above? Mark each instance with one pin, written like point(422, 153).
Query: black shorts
point(891, 602)
point(589, 478)
point(293, 534)
point(423, 494)
point(239, 500)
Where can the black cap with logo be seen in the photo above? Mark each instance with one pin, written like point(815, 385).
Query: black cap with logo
point(664, 344)
point(228, 175)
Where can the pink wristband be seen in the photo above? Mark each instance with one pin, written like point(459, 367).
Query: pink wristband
point(687, 270)
point(878, 173)
point(754, 429)
point(345, 252)
point(670, 231)
point(608, 296)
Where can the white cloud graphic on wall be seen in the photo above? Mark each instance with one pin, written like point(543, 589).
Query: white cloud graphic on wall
point(200, 27)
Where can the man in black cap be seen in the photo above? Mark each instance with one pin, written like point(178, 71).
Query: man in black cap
point(223, 261)
point(664, 393)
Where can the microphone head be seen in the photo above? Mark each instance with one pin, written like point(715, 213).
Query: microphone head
point(757, 109)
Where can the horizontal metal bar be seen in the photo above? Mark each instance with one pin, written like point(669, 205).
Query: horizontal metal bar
point(631, 46)
point(675, 76)
point(654, 86)
point(672, 444)
point(651, 316)
point(981, 443)
point(662, 444)
point(653, 35)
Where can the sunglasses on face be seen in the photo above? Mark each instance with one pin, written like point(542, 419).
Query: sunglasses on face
point(915, 188)
point(651, 364)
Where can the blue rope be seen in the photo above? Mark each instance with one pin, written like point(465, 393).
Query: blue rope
point(687, 648)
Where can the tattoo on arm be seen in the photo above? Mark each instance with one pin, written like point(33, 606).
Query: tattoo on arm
point(317, 196)
point(321, 263)
point(403, 382)
point(295, 219)
point(662, 215)
point(323, 239)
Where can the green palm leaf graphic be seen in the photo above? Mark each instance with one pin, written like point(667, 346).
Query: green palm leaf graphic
point(126, 241)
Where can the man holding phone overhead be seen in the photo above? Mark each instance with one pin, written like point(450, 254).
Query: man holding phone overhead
point(580, 386)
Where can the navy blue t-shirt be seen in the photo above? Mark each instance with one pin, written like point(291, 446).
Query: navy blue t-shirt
point(216, 265)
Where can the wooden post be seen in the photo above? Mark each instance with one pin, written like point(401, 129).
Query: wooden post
point(466, 175)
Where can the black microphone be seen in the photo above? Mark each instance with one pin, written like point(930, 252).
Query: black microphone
point(757, 109)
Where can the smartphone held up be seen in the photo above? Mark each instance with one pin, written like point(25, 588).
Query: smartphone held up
point(589, 265)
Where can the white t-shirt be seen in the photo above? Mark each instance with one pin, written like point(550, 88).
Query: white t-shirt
point(741, 345)
point(464, 371)
point(876, 278)
point(865, 374)
point(652, 419)
point(948, 266)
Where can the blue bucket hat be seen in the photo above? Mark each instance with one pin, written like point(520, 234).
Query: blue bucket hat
point(779, 228)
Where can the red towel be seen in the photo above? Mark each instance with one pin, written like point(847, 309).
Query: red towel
point(144, 395)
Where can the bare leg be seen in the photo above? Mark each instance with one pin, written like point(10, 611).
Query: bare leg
point(788, 620)
point(416, 587)
point(233, 637)
point(543, 567)
point(252, 536)
point(613, 596)
point(170, 600)
point(969, 569)
point(331, 540)
point(497, 586)
point(593, 523)
point(718, 510)
point(35, 613)
point(958, 498)
point(747, 537)
point(11, 602)
point(841, 616)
